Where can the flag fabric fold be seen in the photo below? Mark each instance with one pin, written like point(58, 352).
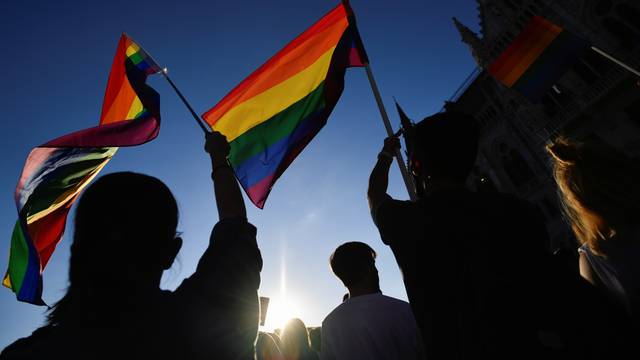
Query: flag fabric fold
point(537, 58)
point(272, 115)
point(55, 173)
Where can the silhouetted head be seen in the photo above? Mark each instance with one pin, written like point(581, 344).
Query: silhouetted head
point(124, 237)
point(446, 145)
point(267, 348)
point(295, 340)
point(355, 264)
point(598, 187)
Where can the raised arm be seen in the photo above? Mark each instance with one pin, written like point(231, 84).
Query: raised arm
point(379, 178)
point(228, 196)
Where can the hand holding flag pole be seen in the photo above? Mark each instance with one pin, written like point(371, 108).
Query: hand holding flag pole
point(383, 112)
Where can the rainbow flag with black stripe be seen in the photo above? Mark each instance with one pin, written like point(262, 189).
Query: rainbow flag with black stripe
point(537, 58)
point(56, 172)
point(274, 113)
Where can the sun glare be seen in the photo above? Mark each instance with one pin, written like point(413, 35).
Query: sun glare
point(282, 307)
point(281, 310)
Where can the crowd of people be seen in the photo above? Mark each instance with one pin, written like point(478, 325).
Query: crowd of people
point(480, 279)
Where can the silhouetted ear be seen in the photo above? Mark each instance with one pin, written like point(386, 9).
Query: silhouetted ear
point(173, 247)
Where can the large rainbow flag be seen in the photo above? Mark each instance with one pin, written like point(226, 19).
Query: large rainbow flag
point(274, 113)
point(56, 172)
point(537, 58)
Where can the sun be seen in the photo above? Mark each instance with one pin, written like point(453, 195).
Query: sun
point(281, 309)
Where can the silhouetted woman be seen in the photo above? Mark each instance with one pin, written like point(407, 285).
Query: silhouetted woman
point(124, 238)
point(599, 188)
point(295, 341)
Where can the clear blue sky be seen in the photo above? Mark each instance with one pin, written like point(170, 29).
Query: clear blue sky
point(53, 70)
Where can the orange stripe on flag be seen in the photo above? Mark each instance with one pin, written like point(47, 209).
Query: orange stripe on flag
point(505, 62)
point(298, 55)
point(531, 55)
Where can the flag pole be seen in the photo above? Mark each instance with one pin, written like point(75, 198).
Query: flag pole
point(623, 65)
point(193, 113)
point(387, 125)
point(164, 73)
point(408, 182)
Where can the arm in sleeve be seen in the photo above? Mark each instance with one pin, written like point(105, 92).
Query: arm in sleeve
point(224, 288)
point(394, 219)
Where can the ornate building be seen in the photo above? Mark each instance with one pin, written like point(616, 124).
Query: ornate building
point(595, 99)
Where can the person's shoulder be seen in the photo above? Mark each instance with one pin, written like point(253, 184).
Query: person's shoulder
point(334, 315)
point(394, 302)
point(32, 346)
point(392, 208)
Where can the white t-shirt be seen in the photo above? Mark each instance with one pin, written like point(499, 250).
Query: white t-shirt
point(372, 326)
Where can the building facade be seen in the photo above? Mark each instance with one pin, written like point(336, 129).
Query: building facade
point(596, 100)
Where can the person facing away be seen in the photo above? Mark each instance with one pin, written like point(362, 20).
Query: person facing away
point(367, 325)
point(124, 238)
point(473, 264)
point(599, 188)
point(267, 348)
point(296, 344)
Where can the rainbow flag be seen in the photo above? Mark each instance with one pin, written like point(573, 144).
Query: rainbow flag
point(56, 172)
point(537, 58)
point(274, 113)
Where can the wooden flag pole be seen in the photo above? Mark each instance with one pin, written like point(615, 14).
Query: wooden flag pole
point(193, 113)
point(623, 65)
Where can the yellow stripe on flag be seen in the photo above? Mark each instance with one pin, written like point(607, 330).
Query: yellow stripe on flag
point(262, 107)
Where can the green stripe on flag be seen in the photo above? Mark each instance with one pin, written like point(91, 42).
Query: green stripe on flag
point(18, 258)
point(260, 137)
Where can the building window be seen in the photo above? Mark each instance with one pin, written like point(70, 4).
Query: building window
point(515, 165)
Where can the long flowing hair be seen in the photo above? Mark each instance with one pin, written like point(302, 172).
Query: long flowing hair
point(599, 189)
point(122, 222)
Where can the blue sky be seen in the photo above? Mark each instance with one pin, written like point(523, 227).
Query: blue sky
point(53, 72)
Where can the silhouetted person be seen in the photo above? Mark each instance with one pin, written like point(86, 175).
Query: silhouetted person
point(267, 348)
point(124, 238)
point(599, 188)
point(474, 264)
point(315, 338)
point(295, 341)
point(367, 325)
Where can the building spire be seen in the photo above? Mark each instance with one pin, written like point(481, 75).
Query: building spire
point(476, 45)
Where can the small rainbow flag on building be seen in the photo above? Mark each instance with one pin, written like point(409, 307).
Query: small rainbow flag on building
point(55, 173)
point(276, 111)
point(537, 58)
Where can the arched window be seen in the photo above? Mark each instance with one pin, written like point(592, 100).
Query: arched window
point(515, 165)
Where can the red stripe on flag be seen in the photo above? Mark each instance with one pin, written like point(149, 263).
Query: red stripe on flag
point(532, 33)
